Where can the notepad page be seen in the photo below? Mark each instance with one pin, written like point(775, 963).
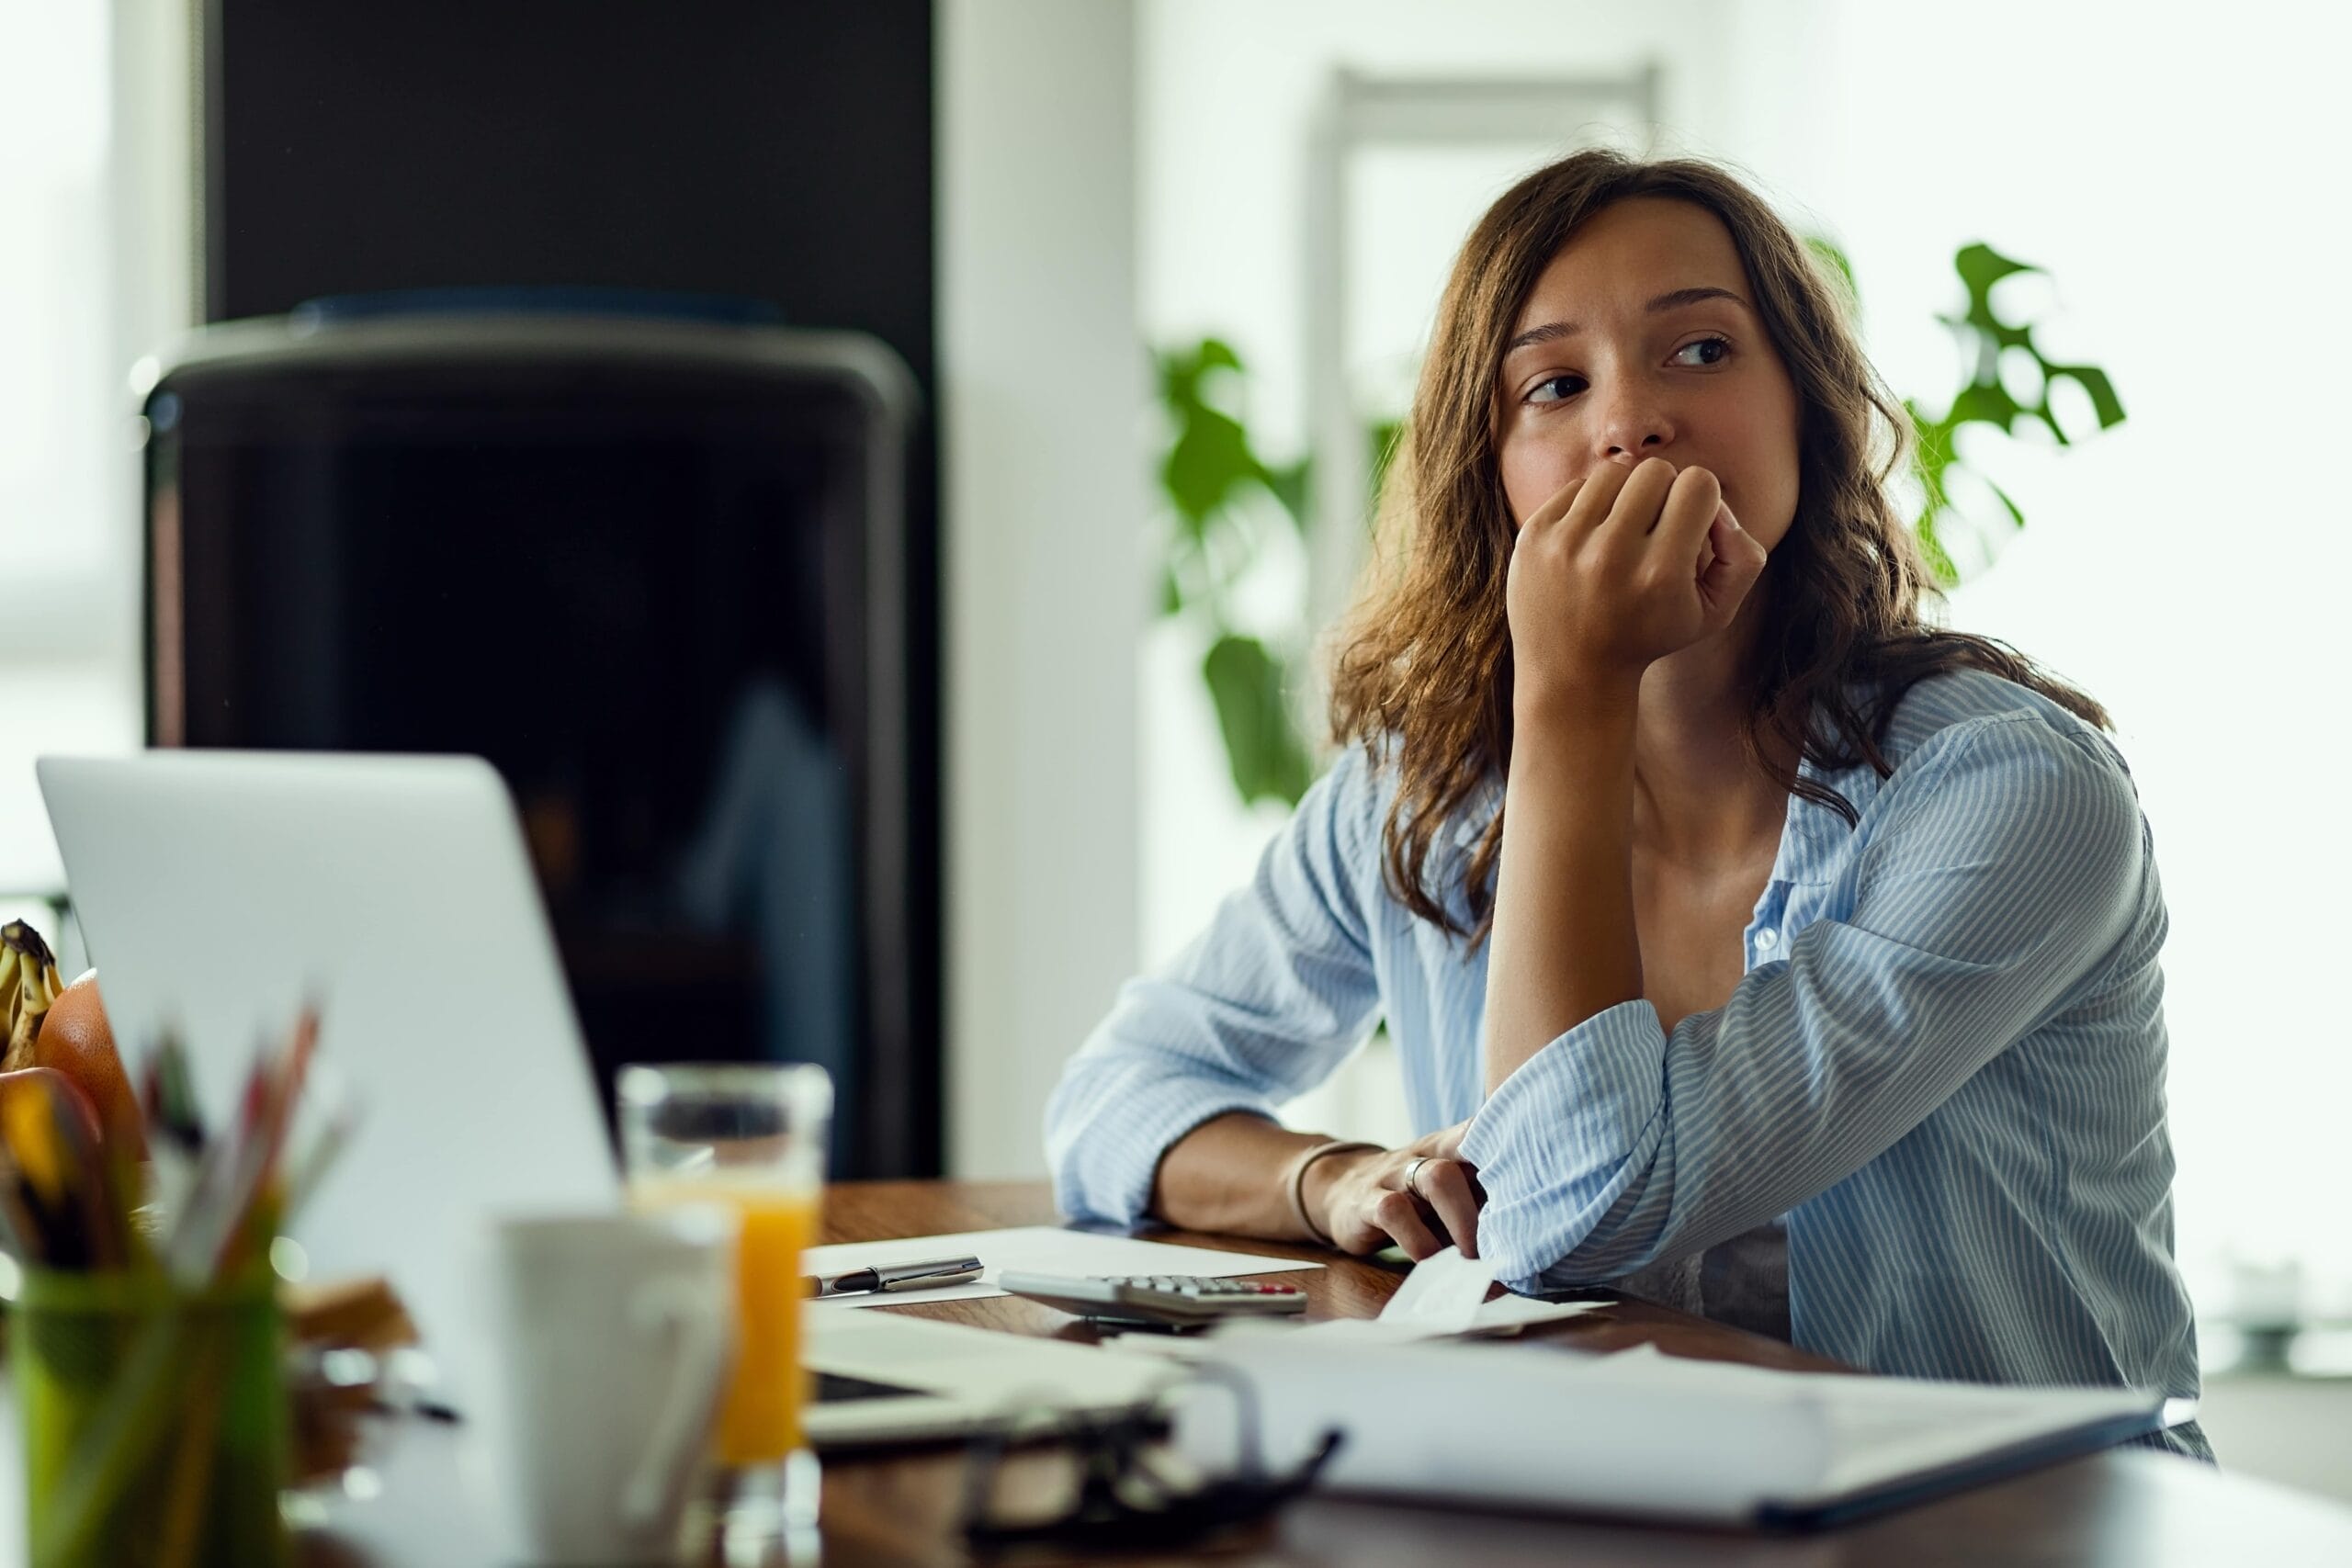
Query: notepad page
point(1882, 1435)
point(1637, 1433)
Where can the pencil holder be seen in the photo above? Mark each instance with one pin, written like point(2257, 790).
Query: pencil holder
point(154, 1420)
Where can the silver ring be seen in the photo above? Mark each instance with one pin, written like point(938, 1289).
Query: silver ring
point(1413, 1174)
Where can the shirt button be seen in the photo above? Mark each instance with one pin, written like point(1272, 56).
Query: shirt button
point(1767, 938)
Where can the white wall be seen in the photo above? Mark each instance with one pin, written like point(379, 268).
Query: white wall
point(1043, 385)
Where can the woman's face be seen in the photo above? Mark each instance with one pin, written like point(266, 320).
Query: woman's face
point(1640, 341)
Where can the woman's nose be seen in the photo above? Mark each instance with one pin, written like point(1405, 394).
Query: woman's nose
point(1633, 425)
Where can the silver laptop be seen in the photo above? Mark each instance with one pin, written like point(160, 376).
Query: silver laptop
point(216, 890)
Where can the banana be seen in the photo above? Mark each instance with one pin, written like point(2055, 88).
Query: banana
point(29, 983)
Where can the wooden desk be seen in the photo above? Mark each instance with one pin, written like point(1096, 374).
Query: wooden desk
point(897, 1510)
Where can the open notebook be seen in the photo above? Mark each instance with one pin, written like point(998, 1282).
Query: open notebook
point(1640, 1433)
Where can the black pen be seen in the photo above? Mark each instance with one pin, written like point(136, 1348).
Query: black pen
point(894, 1277)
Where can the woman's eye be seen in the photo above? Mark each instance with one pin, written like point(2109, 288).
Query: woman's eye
point(1560, 389)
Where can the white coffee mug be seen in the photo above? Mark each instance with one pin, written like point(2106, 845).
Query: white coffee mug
point(609, 1342)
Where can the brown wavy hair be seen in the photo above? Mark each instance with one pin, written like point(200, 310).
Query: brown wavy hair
point(1422, 677)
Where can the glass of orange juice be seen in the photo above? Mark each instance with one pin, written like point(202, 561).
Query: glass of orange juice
point(750, 1136)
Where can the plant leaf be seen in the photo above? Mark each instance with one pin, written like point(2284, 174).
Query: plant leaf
point(1289, 484)
point(1983, 404)
point(1981, 266)
point(1384, 435)
point(1940, 562)
point(1214, 353)
point(1828, 251)
point(2015, 516)
point(1246, 684)
point(1933, 454)
point(2092, 380)
point(1983, 400)
point(1210, 457)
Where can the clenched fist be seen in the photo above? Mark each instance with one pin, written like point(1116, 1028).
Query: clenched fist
point(1621, 569)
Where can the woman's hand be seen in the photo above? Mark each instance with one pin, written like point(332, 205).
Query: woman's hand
point(1360, 1199)
point(1620, 568)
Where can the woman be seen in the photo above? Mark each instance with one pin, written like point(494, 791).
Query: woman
point(1747, 942)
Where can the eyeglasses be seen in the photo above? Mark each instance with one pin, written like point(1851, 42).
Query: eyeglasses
point(1123, 1494)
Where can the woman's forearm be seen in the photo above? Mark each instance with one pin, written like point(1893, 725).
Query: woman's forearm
point(1230, 1174)
point(1565, 946)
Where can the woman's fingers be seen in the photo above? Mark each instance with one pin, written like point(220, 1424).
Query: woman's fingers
point(1443, 1143)
point(1646, 490)
point(1738, 561)
point(1396, 1213)
point(1595, 497)
point(1684, 516)
point(1445, 1186)
point(1555, 506)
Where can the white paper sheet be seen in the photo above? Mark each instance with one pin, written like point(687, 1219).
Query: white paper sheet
point(1035, 1250)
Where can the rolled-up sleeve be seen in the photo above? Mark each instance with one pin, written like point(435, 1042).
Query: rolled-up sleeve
point(2002, 866)
point(1263, 1006)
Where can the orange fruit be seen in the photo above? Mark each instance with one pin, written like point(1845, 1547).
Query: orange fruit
point(28, 1101)
point(76, 1041)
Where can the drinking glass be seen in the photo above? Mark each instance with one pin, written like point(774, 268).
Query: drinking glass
point(750, 1136)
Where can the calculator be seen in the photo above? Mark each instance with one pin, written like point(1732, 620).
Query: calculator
point(1157, 1300)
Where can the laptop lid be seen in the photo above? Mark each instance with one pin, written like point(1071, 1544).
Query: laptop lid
point(216, 890)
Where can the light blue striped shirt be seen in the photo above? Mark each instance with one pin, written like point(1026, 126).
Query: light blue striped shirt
point(1943, 1067)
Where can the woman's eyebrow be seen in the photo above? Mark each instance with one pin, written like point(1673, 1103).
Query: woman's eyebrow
point(1552, 332)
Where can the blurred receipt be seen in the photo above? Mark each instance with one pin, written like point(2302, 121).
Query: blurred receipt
point(1446, 1294)
point(1443, 1293)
